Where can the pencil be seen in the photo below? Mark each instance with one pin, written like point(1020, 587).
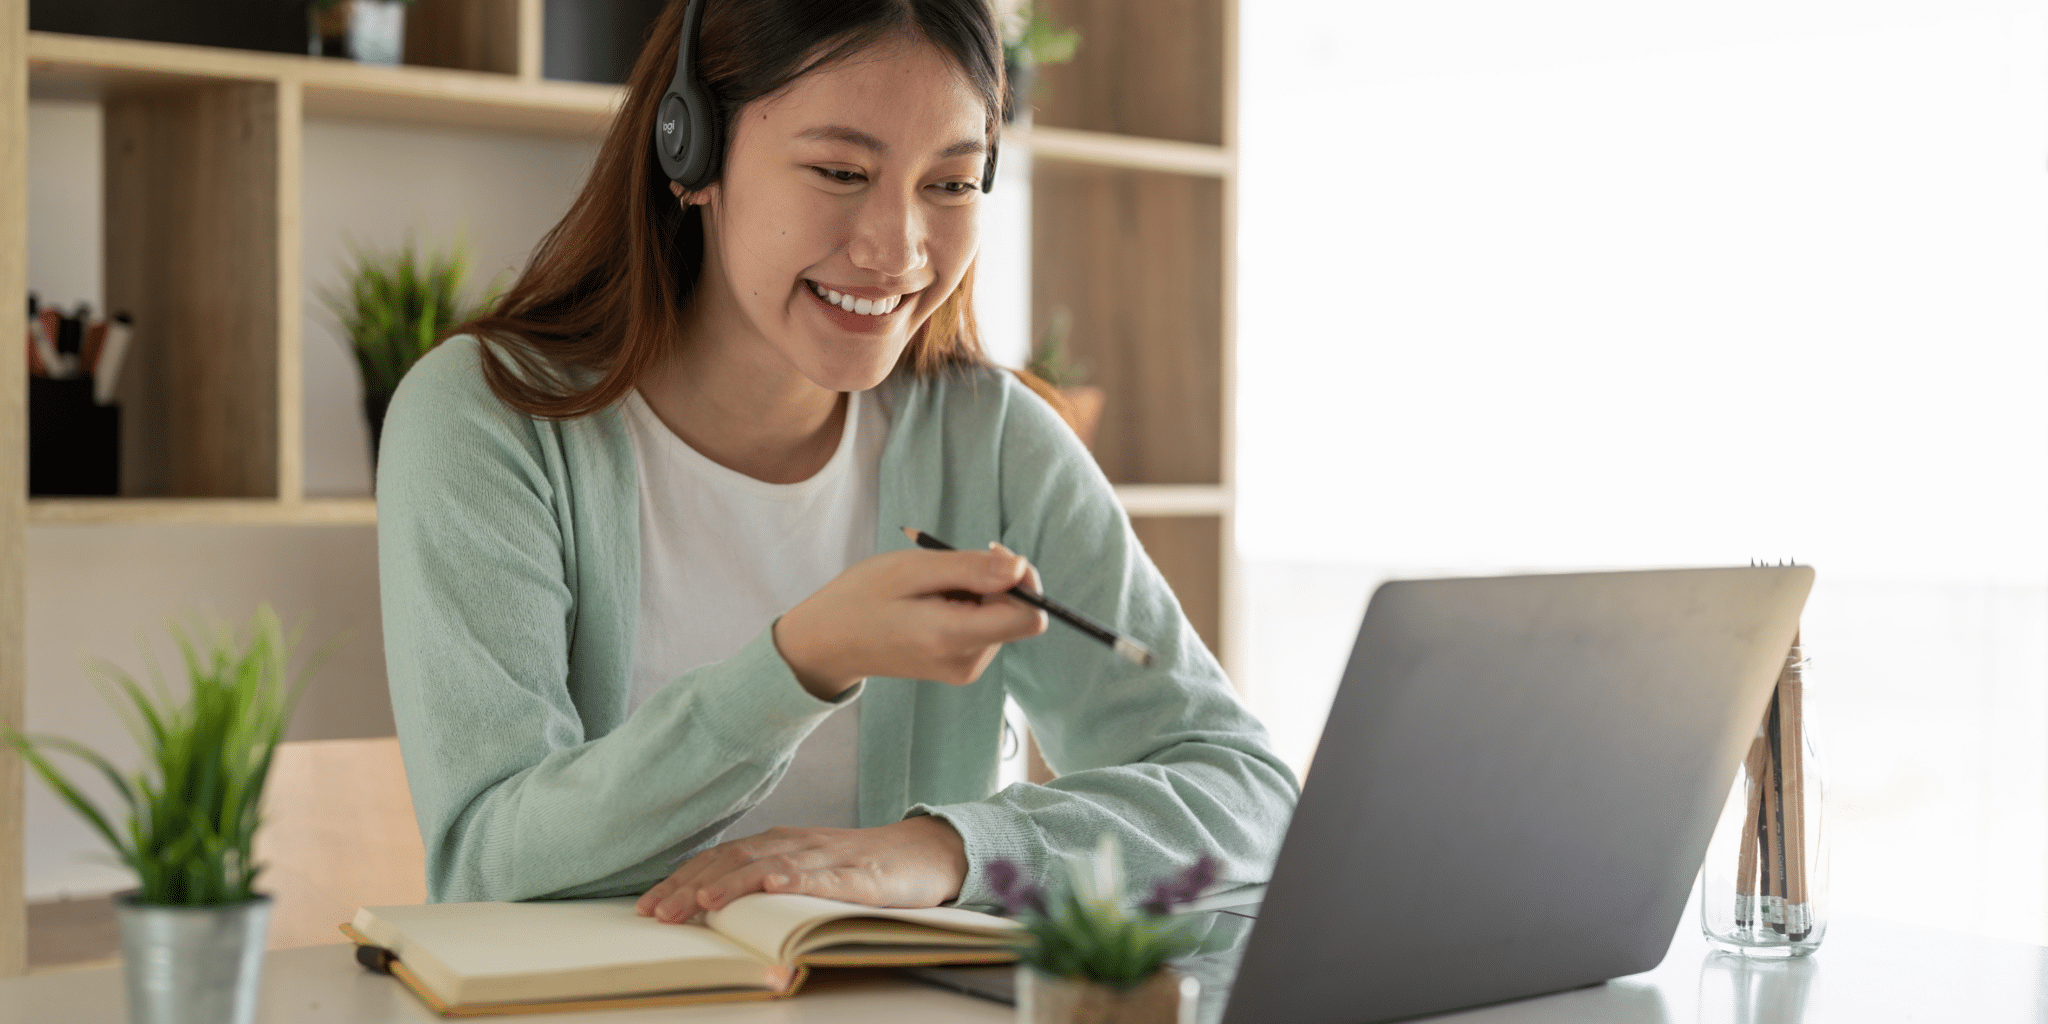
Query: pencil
point(1746, 902)
point(1774, 818)
point(1792, 763)
point(1130, 649)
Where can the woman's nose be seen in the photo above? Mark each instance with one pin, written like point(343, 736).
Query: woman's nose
point(889, 238)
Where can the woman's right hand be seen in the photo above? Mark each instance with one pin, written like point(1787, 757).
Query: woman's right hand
point(915, 614)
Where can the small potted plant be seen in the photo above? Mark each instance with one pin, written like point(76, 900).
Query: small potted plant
point(365, 31)
point(1080, 403)
point(1087, 959)
point(1030, 39)
point(395, 306)
point(192, 931)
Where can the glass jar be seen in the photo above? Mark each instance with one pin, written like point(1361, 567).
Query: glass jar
point(1764, 884)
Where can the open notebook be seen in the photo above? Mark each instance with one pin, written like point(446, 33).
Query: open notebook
point(466, 959)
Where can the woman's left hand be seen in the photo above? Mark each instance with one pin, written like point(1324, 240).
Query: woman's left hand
point(916, 862)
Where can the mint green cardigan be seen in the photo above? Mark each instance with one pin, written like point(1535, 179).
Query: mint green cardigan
point(509, 558)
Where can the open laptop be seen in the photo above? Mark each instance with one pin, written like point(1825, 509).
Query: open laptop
point(1512, 794)
point(1514, 789)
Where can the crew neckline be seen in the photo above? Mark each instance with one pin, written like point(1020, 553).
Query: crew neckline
point(674, 448)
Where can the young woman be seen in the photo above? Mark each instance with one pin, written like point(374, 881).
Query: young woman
point(650, 622)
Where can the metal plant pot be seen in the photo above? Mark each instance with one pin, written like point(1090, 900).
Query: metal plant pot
point(192, 965)
point(365, 31)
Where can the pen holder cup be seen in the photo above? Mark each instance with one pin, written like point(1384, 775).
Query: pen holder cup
point(1764, 884)
point(74, 444)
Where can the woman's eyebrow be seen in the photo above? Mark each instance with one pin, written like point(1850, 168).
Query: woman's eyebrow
point(854, 136)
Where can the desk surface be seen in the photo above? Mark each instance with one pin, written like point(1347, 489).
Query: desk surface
point(1866, 972)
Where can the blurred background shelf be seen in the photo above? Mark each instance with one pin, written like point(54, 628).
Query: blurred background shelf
point(1085, 147)
point(201, 512)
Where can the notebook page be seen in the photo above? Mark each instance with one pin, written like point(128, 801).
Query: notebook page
point(773, 923)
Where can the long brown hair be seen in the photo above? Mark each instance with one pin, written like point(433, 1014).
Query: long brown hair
point(604, 292)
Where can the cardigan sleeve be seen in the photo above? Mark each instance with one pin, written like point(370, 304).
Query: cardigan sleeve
point(1164, 757)
point(514, 796)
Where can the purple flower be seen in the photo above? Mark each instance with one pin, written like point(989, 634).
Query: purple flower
point(1183, 888)
point(1016, 894)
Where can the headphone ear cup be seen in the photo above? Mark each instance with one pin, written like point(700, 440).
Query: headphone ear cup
point(686, 137)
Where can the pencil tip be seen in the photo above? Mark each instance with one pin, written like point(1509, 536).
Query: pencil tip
point(910, 533)
point(1134, 652)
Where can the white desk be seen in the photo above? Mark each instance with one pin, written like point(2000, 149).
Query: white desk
point(1866, 972)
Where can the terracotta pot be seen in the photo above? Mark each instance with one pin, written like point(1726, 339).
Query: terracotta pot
point(1086, 401)
point(1167, 997)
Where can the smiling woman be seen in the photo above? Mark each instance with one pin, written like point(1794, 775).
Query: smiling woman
point(650, 624)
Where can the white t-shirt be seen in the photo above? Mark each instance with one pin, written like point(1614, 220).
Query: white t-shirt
point(722, 555)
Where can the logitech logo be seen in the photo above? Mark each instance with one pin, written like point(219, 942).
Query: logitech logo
point(668, 127)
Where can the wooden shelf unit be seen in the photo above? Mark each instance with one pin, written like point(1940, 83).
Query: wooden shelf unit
point(203, 160)
point(1133, 236)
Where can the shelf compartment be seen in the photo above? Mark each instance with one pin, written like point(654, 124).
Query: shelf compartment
point(85, 67)
point(1189, 552)
point(471, 35)
point(193, 241)
point(1148, 69)
point(1136, 258)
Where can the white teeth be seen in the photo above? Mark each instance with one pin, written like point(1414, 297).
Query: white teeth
point(864, 307)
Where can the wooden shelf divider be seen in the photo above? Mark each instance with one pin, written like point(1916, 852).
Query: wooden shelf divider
point(13, 472)
point(1085, 147)
point(1139, 501)
point(86, 67)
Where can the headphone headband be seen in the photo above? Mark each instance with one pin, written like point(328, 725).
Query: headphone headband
point(687, 139)
point(686, 135)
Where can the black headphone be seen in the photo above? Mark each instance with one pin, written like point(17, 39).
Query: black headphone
point(687, 138)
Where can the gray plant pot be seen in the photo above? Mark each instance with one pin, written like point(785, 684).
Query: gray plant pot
point(365, 31)
point(192, 965)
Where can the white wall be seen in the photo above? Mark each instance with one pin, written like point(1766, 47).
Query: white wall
point(1606, 283)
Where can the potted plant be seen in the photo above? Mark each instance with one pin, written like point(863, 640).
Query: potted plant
point(395, 307)
point(1030, 39)
point(1051, 363)
point(192, 930)
point(365, 31)
point(1087, 959)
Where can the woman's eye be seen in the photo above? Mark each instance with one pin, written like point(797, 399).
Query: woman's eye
point(957, 188)
point(839, 176)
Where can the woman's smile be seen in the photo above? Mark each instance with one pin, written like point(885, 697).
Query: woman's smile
point(862, 313)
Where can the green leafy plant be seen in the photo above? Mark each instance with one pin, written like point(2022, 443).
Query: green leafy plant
point(1050, 360)
point(1083, 929)
point(193, 813)
point(1031, 37)
point(396, 305)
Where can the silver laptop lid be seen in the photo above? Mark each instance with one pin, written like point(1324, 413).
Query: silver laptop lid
point(1514, 789)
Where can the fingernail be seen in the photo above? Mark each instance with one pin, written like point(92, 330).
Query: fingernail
point(778, 881)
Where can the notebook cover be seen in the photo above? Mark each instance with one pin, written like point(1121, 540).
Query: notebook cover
point(434, 1003)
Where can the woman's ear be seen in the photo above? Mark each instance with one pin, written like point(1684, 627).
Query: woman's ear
point(697, 198)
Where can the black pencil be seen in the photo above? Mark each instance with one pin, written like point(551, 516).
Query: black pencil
point(1130, 649)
